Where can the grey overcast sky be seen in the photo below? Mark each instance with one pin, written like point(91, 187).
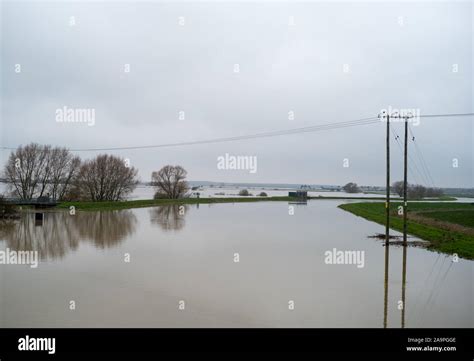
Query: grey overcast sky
point(398, 54)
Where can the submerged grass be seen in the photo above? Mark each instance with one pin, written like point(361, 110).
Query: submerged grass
point(442, 240)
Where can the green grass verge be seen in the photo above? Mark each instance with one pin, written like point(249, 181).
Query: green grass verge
point(462, 217)
point(440, 240)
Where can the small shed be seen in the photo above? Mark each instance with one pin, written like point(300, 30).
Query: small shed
point(298, 194)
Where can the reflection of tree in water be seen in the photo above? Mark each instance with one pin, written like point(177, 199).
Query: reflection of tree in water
point(169, 216)
point(106, 229)
point(53, 239)
point(61, 232)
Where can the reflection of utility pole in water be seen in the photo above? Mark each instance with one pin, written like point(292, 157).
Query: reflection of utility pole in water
point(385, 283)
point(404, 280)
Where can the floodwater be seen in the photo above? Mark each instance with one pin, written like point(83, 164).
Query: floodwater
point(182, 271)
point(147, 192)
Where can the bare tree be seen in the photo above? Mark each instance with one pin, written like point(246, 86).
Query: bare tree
point(244, 193)
point(434, 192)
point(105, 178)
point(351, 188)
point(36, 170)
point(398, 188)
point(26, 170)
point(170, 182)
point(64, 167)
point(416, 191)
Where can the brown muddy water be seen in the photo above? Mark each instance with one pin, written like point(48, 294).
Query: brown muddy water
point(188, 260)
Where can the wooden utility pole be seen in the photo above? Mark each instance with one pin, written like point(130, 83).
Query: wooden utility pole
point(387, 202)
point(404, 281)
point(387, 225)
point(385, 287)
point(405, 206)
point(405, 184)
point(387, 222)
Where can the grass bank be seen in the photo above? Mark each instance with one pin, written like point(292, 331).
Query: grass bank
point(452, 234)
point(463, 218)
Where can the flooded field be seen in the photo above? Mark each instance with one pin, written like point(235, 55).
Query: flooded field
point(177, 267)
point(147, 192)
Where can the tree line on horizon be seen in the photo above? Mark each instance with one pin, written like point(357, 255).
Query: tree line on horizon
point(414, 191)
point(35, 170)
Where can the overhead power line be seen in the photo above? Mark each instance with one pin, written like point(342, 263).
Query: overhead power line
point(314, 128)
point(423, 163)
point(446, 115)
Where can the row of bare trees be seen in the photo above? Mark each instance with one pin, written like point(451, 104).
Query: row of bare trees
point(416, 191)
point(36, 170)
